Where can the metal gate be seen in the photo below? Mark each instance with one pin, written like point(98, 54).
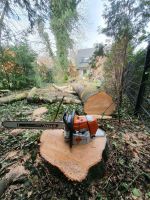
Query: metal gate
point(137, 88)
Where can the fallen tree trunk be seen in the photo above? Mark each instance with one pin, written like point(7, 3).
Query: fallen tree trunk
point(66, 89)
point(51, 95)
point(4, 92)
point(95, 102)
point(13, 98)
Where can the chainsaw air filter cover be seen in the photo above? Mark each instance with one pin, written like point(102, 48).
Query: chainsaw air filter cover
point(82, 123)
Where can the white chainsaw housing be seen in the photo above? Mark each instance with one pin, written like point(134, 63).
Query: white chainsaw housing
point(78, 137)
point(82, 137)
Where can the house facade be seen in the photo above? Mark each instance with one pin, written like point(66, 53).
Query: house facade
point(82, 60)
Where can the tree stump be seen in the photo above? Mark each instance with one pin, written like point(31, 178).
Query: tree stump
point(76, 162)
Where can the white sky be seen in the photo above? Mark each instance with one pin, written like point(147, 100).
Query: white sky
point(90, 10)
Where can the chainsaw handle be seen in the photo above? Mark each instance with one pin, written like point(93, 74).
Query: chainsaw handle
point(69, 125)
point(72, 116)
point(64, 118)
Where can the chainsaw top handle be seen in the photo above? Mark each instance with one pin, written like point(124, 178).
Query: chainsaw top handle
point(69, 124)
point(68, 119)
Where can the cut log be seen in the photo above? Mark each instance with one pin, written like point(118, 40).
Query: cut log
point(13, 98)
point(95, 102)
point(51, 95)
point(75, 162)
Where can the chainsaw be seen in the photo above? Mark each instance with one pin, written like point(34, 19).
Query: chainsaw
point(77, 129)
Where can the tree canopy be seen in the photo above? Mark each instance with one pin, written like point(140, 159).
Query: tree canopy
point(62, 16)
point(124, 19)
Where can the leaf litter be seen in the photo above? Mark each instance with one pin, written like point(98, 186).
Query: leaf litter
point(127, 173)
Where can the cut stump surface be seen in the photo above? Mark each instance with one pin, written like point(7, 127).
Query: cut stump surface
point(76, 162)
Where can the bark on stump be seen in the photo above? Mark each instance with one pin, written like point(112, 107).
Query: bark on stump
point(75, 163)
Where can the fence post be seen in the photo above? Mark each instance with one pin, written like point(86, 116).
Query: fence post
point(145, 75)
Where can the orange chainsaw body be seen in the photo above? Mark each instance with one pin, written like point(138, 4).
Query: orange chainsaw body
point(85, 123)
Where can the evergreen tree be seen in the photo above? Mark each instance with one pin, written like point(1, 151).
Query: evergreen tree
point(63, 17)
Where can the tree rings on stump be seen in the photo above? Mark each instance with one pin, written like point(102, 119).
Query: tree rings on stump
point(95, 102)
point(100, 103)
point(75, 162)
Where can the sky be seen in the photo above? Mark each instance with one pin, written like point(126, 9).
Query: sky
point(85, 37)
point(92, 11)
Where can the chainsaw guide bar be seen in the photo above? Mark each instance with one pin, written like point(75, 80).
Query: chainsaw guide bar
point(33, 125)
point(78, 129)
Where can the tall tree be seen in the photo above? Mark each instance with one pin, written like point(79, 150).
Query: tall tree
point(44, 36)
point(124, 23)
point(63, 17)
point(34, 9)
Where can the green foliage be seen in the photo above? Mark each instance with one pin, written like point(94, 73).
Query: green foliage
point(17, 67)
point(123, 19)
point(136, 192)
point(43, 75)
point(136, 66)
point(99, 51)
point(63, 17)
point(134, 73)
point(34, 9)
point(59, 74)
point(125, 23)
point(145, 6)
